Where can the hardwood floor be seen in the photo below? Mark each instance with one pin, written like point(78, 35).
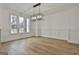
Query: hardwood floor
point(40, 46)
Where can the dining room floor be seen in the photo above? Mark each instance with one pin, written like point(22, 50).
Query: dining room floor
point(40, 46)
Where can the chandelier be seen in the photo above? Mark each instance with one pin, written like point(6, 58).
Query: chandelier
point(37, 16)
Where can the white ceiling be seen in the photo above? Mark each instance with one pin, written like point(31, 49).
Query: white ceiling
point(26, 8)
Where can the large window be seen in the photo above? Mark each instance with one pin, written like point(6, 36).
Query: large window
point(19, 24)
point(22, 25)
point(13, 24)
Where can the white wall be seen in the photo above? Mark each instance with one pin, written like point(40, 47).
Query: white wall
point(74, 26)
point(5, 25)
point(35, 28)
point(62, 25)
point(55, 26)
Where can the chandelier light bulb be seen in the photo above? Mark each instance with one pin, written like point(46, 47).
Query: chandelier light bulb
point(33, 18)
point(39, 16)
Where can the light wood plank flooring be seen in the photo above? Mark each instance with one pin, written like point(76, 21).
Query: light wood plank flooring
point(40, 46)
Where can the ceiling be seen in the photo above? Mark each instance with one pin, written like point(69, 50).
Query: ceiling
point(27, 8)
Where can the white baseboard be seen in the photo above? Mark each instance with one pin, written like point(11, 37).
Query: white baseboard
point(76, 42)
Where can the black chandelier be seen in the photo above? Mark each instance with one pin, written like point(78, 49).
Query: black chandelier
point(36, 16)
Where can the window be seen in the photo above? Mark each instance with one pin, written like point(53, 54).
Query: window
point(28, 26)
point(19, 24)
point(13, 24)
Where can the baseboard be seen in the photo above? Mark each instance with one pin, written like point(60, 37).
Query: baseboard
point(16, 39)
point(74, 42)
point(70, 42)
point(52, 38)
